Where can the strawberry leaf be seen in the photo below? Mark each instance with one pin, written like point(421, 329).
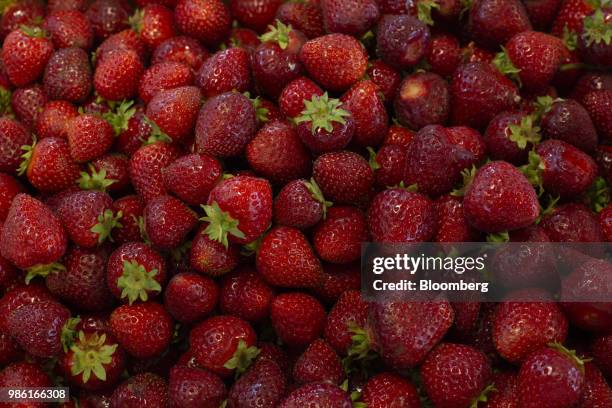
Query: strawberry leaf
point(525, 132)
point(91, 354)
point(596, 29)
point(119, 117)
point(598, 194)
point(278, 33)
point(43, 270)
point(317, 194)
point(424, 8)
point(242, 358)
point(504, 64)
point(106, 222)
point(136, 282)
point(322, 112)
point(220, 224)
point(94, 180)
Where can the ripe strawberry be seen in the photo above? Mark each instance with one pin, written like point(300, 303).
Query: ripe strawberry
point(254, 14)
point(126, 40)
point(41, 328)
point(596, 391)
point(241, 37)
point(225, 71)
point(348, 317)
point(306, 17)
point(560, 384)
point(454, 375)
point(18, 13)
point(108, 17)
point(146, 167)
point(52, 120)
point(401, 40)
point(27, 102)
point(493, 22)
point(338, 237)
point(135, 272)
point(286, 259)
point(589, 82)
point(444, 54)
point(163, 76)
point(337, 279)
point(335, 61)
point(500, 198)
point(542, 12)
point(211, 257)
point(224, 344)
point(567, 120)
point(225, 125)
point(175, 111)
point(189, 297)
point(192, 177)
point(318, 363)
point(585, 226)
point(9, 188)
point(368, 112)
point(154, 23)
point(353, 17)
point(600, 349)
point(510, 136)
point(32, 234)
point(388, 165)
point(398, 215)
point(206, 20)
point(10, 351)
point(298, 319)
point(140, 390)
point(183, 49)
point(423, 99)
point(598, 105)
point(388, 389)
point(23, 374)
point(25, 53)
point(300, 204)
point(89, 137)
point(13, 135)
point(321, 394)
point(117, 75)
point(452, 225)
point(132, 207)
point(68, 75)
point(168, 221)
point(263, 384)
point(144, 330)
point(386, 78)
point(69, 28)
point(109, 172)
point(571, 15)
point(292, 99)
point(246, 295)
point(20, 295)
point(344, 177)
point(278, 154)
point(191, 387)
point(478, 93)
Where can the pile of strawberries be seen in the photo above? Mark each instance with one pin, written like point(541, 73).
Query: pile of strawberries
point(185, 186)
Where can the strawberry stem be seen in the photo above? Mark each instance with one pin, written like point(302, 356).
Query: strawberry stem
point(596, 29)
point(90, 355)
point(69, 332)
point(220, 224)
point(424, 8)
point(498, 237)
point(468, 175)
point(483, 396)
point(242, 358)
point(278, 33)
point(119, 119)
point(260, 111)
point(317, 194)
point(136, 282)
point(598, 194)
point(525, 132)
point(504, 64)
point(374, 165)
point(27, 157)
point(156, 135)
point(106, 222)
point(94, 180)
point(43, 271)
point(533, 171)
point(322, 112)
point(135, 20)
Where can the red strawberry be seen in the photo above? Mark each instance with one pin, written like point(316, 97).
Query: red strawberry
point(600, 349)
point(126, 40)
point(108, 17)
point(469, 139)
point(585, 226)
point(337, 279)
point(211, 257)
point(9, 349)
point(306, 17)
point(560, 384)
point(594, 42)
point(353, 17)
point(388, 165)
point(263, 384)
point(225, 125)
point(368, 112)
point(246, 295)
point(194, 388)
point(571, 15)
point(183, 49)
point(140, 390)
point(321, 394)
point(225, 71)
point(16, 14)
point(510, 136)
point(401, 40)
point(336, 61)
point(344, 177)
point(398, 215)
point(223, 344)
point(132, 208)
point(13, 135)
point(292, 100)
point(298, 319)
point(69, 28)
point(300, 204)
point(23, 374)
point(135, 272)
point(192, 177)
point(347, 318)
point(175, 111)
point(68, 75)
point(568, 121)
point(493, 22)
point(542, 12)
point(278, 154)
point(32, 234)
point(189, 297)
point(338, 237)
point(318, 363)
point(286, 259)
point(444, 54)
point(21, 295)
point(117, 75)
point(598, 105)
point(206, 20)
point(155, 24)
point(144, 329)
point(386, 78)
point(53, 119)
point(254, 14)
point(146, 167)
point(163, 76)
point(89, 137)
point(500, 198)
point(596, 391)
point(452, 225)
point(109, 172)
point(168, 221)
point(388, 389)
point(27, 102)
point(25, 53)
point(48, 165)
point(589, 82)
point(423, 99)
point(9, 188)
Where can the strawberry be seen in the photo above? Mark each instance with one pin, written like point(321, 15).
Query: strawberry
point(401, 40)
point(126, 40)
point(353, 17)
point(225, 125)
point(388, 165)
point(423, 99)
point(386, 78)
point(344, 177)
point(596, 391)
point(9, 188)
point(278, 154)
point(348, 317)
point(168, 221)
point(144, 330)
point(194, 388)
point(254, 14)
point(454, 375)
point(23, 374)
point(154, 23)
point(270, 351)
point(318, 363)
point(335, 61)
point(368, 112)
point(109, 172)
point(337, 279)
point(405, 332)
point(163, 76)
point(388, 389)
point(68, 75)
point(89, 137)
point(478, 93)
point(25, 53)
point(189, 297)
point(41, 328)
point(192, 177)
point(146, 167)
point(542, 12)
point(398, 215)
point(452, 225)
point(500, 198)
point(183, 49)
point(141, 390)
point(560, 384)
point(510, 136)
point(444, 54)
point(27, 102)
point(469, 139)
point(108, 17)
point(18, 13)
point(306, 17)
point(600, 349)
point(493, 22)
point(69, 28)
point(298, 319)
point(286, 249)
point(263, 384)
point(571, 15)
point(585, 227)
point(598, 103)
point(224, 345)
point(589, 82)
point(321, 394)
point(132, 207)
point(10, 350)
point(211, 257)
point(338, 237)
point(605, 220)
point(52, 120)
point(292, 99)
point(245, 294)
point(399, 136)
point(568, 121)
point(13, 135)
point(117, 75)
point(175, 111)
point(206, 20)
point(20, 295)
point(135, 272)
point(300, 204)
point(225, 71)
point(32, 235)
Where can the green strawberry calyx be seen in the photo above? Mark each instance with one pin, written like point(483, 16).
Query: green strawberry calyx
point(596, 29)
point(498, 237)
point(43, 270)
point(483, 396)
point(261, 111)
point(361, 348)
point(317, 194)
point(26, 157)
point(68, 333)
point(278, 33)
point(142, 228)
point(374, 165)
point(136, 282)
point(135, 20)
point(322, 111)
point(570, 354)
point(504, 64)
point(90, 355)
point(33, 31)
point(549, 208)
point(424, 8)
point(598, 194)
point(525, 132)
point(94, 179)
point(107, 221)
point(543, 105)
point(242, 358)
point(120, 117)
point(468, 175)
point(570, 39)
point(5, 101)
point(220, 224)
point(533, 171)
point(156, 135)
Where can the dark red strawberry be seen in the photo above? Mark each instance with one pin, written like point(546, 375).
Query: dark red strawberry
point(117, 75)
point(126, 40)
point(146, 167)
point(183, 49)
point(385, 77)
point(143, 329)
point(163, 76)
point(571, 16)
point(27, 102)
point(24, 374)
point(344, 177)
point(206, 20)
point(189, 297)
point(300, 204)
point(338, 237)
point(175, 111)
point(347, 318)
point(306, 17)
point(254, 14)
point(241, 37)
point(13, 135)
point(401, 40)
point(585, 226)
point(335, 61)
point(53, 118)
point(452, 225)
point(598, 104)
point(321, 394)
point(542, 12)
point(141, 390)
point(225, 71)
point(510, 136)
point(600, 349)
point(388, 165)
point(68, 75)
point(69, 28)
point(388, 389)
point(567, 120)
point(9, 188)
point(132, 207)
point(192, 177)
point(154, 23)
point(246, 295)
point(89, 137)
point(423, 99)
point(596, 391)
point(49, 166)
point(10, 350)
point(291, 100)
point(32, 234)
point(224, 345)
point(368, 111)
point(353, 17)
point(493, 22)
point(225, 125)
point(18, 13)
point(168, 221)
point(263, 384)
point(25, 53)
point(337, 279)
point(318, 363)
point(109, 172)
point(298, 318)
point(108, 17)
point(444, 54)
point(135, 272)
point(194, 388)
point(21, 295)
point(211, 257)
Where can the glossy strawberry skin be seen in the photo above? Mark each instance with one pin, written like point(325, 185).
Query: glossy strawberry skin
point(255, 14)
point(211, 257)
point(401, 40)
point(368, 112)
point(26, 103)
point(13, 135)
point(423, 99)
point(353, 17)
point(107, 17)
point(163, 76)
point(493, 22)
point(322, 394)
point(569, 121)
point(183, 49)
point(306, 17)
point(319, 362)
point(206, 20)
point(246, 295)
point(157, 25)
point(297, 318)
point(192, 177)
point(338, 238)
point(20, 295)
point(189, 297)
point(140, 389)
point(25, 56)
point(294, 206)
point(387, 389)
point(168, 221)
point(53, 118)
point(117, 75)
point(444, 54)
point(20, 13)
point(597, 103)
point(385, 77)
point(69, 28)
point(132, 208)
point(349, 309)
point(263, 383)
point(24, 374)
point(452, 225)
point(274, 67)
point(9, 188)
point(89, 137)
point(146, 167)
point(194, 388)
point(344, 177)
point(175, 111)
point(586, 228)
point(225, 71)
